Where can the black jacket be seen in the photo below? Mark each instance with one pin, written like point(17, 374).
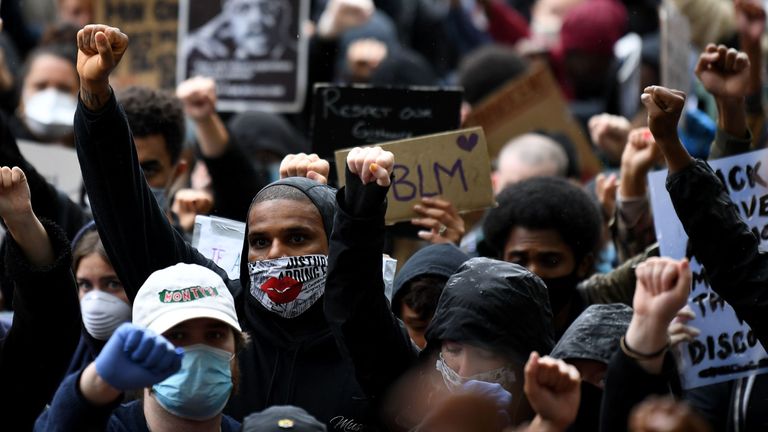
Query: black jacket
point(355, 305)
point(36, 351)
point(738, 272)
point(288, 362)
point(723, 243)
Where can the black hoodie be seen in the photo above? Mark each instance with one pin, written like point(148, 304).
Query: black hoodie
point(289, 362)
point(495, 305)
point(434, 260)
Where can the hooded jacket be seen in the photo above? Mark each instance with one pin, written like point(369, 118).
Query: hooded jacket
point(433, 260)
point(593, 336)
point(495, 305)
point(288, 362)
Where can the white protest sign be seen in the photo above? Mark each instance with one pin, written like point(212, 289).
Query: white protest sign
point(726, 349)
point(57, 164)
point(675, 48)
point(221, 241)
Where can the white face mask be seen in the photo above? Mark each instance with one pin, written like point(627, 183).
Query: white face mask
point(103, 313)
point(50, 113)
point(289, 286)
point(503, 376)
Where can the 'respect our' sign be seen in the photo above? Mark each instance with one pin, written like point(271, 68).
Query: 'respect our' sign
point(359, 115)
point(726, 348)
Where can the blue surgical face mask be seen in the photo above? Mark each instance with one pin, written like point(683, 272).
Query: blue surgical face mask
point(201, 389)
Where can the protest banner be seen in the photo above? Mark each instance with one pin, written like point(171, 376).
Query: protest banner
point(221, 241)
point(675, 58)
point(57, 164)
point(254, 49)
point(349, 116)
point(152, 26)
point(453, 165)
point(531, 103)
point(727, 348)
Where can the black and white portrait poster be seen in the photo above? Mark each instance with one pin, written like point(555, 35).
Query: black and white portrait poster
point(252, 48)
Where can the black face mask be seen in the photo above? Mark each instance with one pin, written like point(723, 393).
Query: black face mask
point(561, 290)
point(588, 417)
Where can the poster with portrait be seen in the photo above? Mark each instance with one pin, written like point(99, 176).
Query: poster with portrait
point(254, 49)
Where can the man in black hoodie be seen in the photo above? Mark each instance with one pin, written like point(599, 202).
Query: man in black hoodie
point(293, 358)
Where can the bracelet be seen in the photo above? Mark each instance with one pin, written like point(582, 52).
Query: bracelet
point(641, 356)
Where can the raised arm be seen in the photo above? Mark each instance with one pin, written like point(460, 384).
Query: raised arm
point(725, 73)
point(222, 156)
point(355, 305)
point(38, 261)
point(643, 366)
point(135, 232)
point(132, 359)
point(720, 240)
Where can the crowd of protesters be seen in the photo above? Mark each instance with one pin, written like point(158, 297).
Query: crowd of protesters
point(552, 311)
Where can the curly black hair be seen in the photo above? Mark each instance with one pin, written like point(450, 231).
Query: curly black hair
point(152, 112)
point(543, 203)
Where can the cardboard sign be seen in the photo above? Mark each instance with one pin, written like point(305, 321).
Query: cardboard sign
point(152, 26)
point(57, 164)
point(727, 348)
point(676, 63)
point(221, 241)
point(453, 165)
point(254, 49)
point(349, 116)
point(531, 103)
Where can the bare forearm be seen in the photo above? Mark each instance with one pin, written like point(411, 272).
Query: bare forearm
point(95, 94)
point(675, 154)
point(32, 238)
point(732, 116)
point(95, 389)
point(632, 184)
point(539, 424)
point(212, 136)
point(647, 336)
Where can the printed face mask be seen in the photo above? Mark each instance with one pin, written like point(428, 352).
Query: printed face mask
point(201, 388)
point(103, 313)
point(288, 286)
point(454, 381)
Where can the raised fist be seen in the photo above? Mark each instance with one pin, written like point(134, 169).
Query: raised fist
point(664, 107)
point(371, 164)
point(100, 49)
point(14, 194)
point(724, 71)
point(198, 95)
point(305, 165)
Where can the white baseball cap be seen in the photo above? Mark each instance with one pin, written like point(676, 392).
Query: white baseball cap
point(183, 292)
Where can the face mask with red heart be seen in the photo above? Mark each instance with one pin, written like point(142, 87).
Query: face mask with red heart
point(288, 286)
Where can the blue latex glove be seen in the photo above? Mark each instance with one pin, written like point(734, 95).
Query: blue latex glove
point(494, 392)
point(135, 357)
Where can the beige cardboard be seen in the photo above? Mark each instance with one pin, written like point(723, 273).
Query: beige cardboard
point(455, 163)
point(530, 103)
point(152, 27)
